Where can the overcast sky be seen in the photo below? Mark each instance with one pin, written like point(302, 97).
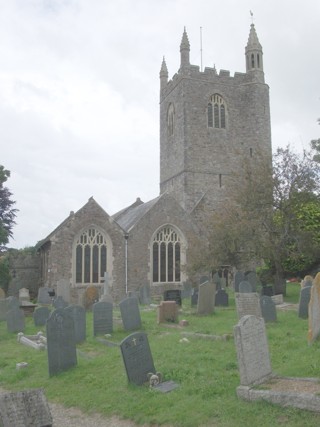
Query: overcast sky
point(79, 91)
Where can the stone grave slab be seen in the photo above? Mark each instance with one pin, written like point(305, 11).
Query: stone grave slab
point(238, 277)
point(130, 313)
point(206, 298)
point(25, 409)
point(44, 296)
point(78, 314)
point(63, 289)
point(248, 303)
point(15, 320)
point(167, 312)
point(245, 287)
point(166, 386)
point(173, 295)
point(41, 315)
point(137, 358)
point(268, 309)
point(61, 343)
point(314, 310)
point(59, 302)
point(304, 300)
point(252, 350)
point(102, 318)
point(222, 298)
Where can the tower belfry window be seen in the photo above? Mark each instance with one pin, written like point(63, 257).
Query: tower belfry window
point(170, 120)
point(216, 112)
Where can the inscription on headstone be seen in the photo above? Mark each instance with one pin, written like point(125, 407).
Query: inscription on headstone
point(248, 303)
point(102, 318)
point(130, 313)
point(252, 350)
point(61, 343)
point(78, 315)
point(137, 358)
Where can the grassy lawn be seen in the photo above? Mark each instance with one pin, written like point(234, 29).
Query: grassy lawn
point(206, 371)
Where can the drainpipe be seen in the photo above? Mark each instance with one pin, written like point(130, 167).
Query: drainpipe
point(126, 237)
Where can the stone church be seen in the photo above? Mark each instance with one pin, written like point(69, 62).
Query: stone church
point(210, 123)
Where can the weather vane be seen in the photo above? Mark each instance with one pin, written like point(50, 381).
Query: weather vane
point(251, 13)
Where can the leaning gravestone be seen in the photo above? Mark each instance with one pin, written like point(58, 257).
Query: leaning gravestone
point(304, 300)
point(252, 350)
point(268, 309)
point(248, 303)
point(102, 318)
point(59, 302)
point(314, 310)
point(173, 295)
point(137, 358)
point(44, 295)
point(238, 277)
point(41, 315)
point(206, 298)
point(245, 287)
point(78, 315)
point(61, 343)
point(15, 320)
point(28, 408)
point(222, 298)
point(130, 313)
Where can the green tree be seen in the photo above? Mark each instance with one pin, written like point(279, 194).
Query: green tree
point(7, 212)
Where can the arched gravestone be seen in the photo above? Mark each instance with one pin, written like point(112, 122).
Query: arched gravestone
point(130, 313)
point(78, 315)
point(222, 298)
point(61, 343)
point(102, 318)
point(268, 309)
point(41, 315)
point(304, 300)
point(245, 287)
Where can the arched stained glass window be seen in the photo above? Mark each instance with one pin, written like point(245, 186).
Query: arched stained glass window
point(216, 112)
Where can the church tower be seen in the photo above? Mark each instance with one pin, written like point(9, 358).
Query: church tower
point(210, 124)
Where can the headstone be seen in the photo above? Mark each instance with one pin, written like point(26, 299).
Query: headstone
point(314, 310)
point(2, 294)
point(307, 281)
point(194, 297)
point(252, 350)
point(167, 312)
point(248, 303)
point(3, 309)
point(78, 315)
point(217, 279)
point(144, 294)
point(277, 299)
point(12, 302)
point(24, 294)
point(15, 320)
point(268, 309)
point(130, 314)
point(245, 287)
point(59, 302)
point(63, 290)
point(173, 295)
point(251, 277)
point(90, 297)
point(206, 298)
point(267, 290)
point(186, 290)
point(238, 277)
point(137, 358)
point(41, 315)
point(102, 318)
point(25, 409)
point(44, 296)
point(222, 298)
point(304, 300)
point(61, 343)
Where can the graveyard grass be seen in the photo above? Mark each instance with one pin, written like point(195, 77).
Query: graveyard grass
point(205, 369)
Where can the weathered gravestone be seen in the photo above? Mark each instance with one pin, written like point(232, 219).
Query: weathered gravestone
point(268, 309)
point(63, 290)
point(40, 316)
point(44, 295)
point(28, 408)
point(24, 294)
point(15, 320)
point(137, 358)
point(102, 318)
point(314, 310)
point(245, 287)
point(78, 315)
point(251, 277)
point(167, 312)
point(3, 309)
point(130, 313)
point(252, 350)
point(173, 295)
point(238, 277)
point(13, 302)
point(59, 302)
point(248, 303)
point(222, 298)
point(206, 298)
point(304, 300)
point(144, 294)
point(194, 297)
point(61, 343)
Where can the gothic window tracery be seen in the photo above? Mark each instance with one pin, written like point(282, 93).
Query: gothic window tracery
point(216, 112)
point(170, 120)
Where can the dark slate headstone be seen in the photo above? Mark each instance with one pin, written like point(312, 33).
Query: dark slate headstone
point(245, 287)
point(194, 297)
point(130, 313)
point(304, 302)
point(78, 314)
point(44, 296)
point(251, 277)
point(13, 302)
point(144, 294)
point(137, 358)
point(268, 309)
point(267, 290)
point(238, 278)
point(15, 320)
point(173, 295)
point(40, 316)
point(102, 318)
point(25, 409)
point(222, 298)
point(59, 302)
point(61, 343)
point(3, 309)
